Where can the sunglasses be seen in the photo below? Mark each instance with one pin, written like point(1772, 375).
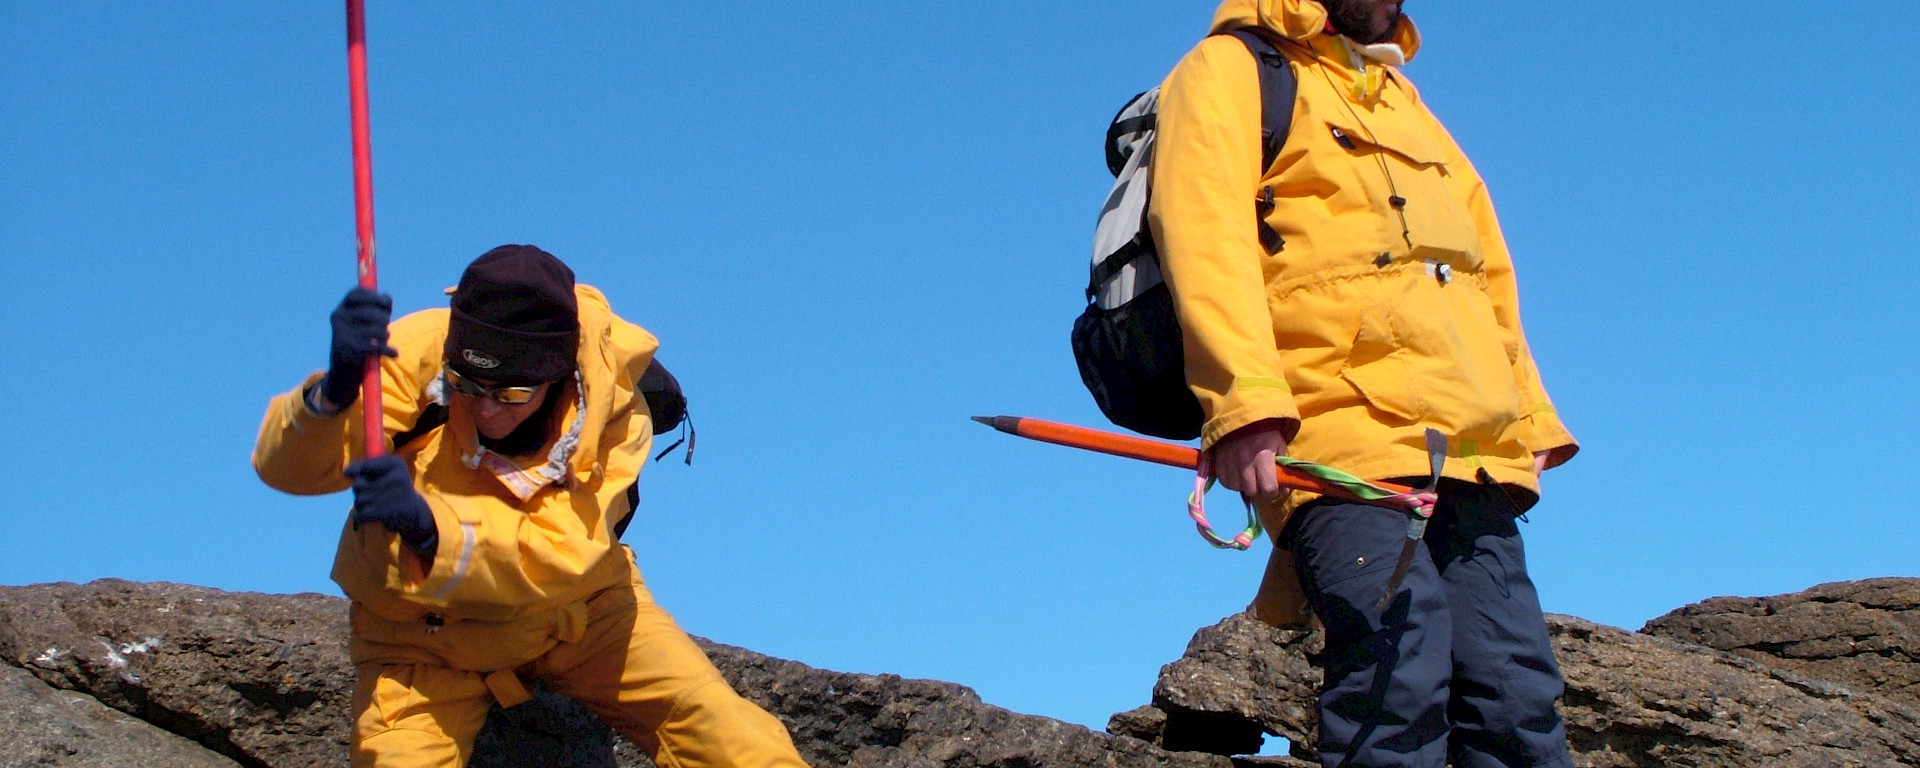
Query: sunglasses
point(501, 395)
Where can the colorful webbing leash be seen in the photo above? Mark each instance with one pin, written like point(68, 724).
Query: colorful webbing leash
point(1197, 509)
point(1418, 503)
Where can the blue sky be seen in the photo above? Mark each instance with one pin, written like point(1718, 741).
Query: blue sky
point(855, 224)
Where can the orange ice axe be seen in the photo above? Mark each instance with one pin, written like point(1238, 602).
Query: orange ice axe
point(1292, 473)
point(1160, 452)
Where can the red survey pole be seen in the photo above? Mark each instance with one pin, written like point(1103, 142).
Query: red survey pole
point(363, 210)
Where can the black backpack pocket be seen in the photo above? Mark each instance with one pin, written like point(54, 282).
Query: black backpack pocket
point(1132, 361)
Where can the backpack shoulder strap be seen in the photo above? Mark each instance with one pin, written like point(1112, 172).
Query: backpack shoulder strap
point(1279, 88)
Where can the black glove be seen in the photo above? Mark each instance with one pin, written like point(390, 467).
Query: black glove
point(359, 331)
point(383, 493)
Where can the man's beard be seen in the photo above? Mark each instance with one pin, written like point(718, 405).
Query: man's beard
point(1354, 18)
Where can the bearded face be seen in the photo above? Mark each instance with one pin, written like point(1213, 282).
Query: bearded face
point(1364, 21)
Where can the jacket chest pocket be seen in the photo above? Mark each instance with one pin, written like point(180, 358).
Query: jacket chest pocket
point(1408, 183)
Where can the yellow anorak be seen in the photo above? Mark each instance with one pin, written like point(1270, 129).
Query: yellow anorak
point(1389, 307)
point(527, 579)
point(499, 558)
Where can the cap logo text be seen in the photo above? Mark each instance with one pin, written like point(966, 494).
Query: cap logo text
point(479, 359)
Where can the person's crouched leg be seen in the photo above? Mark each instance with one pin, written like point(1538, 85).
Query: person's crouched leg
point(416, 716)
point(712, 726)
point(647, 679)
point(1384, 698)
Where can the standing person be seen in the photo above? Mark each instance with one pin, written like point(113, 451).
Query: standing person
point(482, 552)
point(1334, 306)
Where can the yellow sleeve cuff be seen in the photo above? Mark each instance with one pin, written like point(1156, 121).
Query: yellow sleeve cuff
point(1252, 399)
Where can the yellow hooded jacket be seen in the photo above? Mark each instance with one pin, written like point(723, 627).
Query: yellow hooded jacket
point(522, 566)
point(1390, 306)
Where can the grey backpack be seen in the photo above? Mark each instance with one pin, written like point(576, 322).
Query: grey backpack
point(1127, 341)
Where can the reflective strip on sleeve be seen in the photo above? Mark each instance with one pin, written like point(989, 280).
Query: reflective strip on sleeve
point(468, 541)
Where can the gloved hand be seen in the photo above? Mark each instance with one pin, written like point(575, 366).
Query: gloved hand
point(383, 493)
point(359, 331)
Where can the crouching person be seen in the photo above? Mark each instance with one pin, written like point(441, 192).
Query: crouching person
point(481, 553)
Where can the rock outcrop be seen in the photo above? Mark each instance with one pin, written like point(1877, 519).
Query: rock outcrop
point(1632, 699)
point(1865, 634)
point(44, 726)
point(263, 681)
point(117, 673)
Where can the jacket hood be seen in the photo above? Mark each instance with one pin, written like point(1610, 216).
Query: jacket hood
point(1301, 20)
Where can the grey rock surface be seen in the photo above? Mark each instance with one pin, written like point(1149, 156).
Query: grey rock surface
point(1637, 700)
point(1632, 700)
point(1238, 679)
point(884, 720)
point(1862, 633)
point(187, 677)
point(43, 726)
point(550, 730)
point(265, 680)
point(262, 679)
